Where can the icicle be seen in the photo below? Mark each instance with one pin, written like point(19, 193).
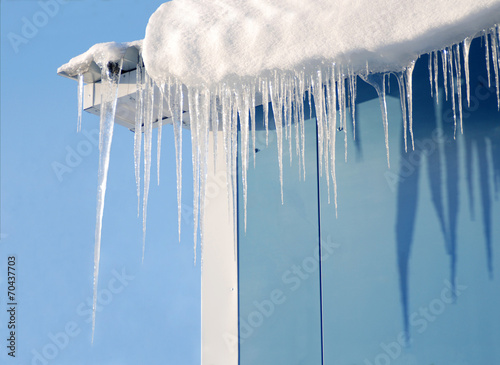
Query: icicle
point(226, 136)
point(326, 92)
point(302, 88)
point(252, 118)
point(402, 99)
point(277, 105)
point(214, 117)
point(138, 131)
point(436, 72)
point(193, 97)
point(80, 102)
point(495, 58)
point(148, 136)
point(317, 90)
point(459, 84)
point(204, 129)
point(444, 59)
point(333, 132)
point(160, 126)
point(342, 106)
point(466, 46)
point(377, 81)
point(295, 107)
point(452, 85)
point(409, 96)
point(110, 79)
point(265, 105)
point(176, 113)
point(288, 108)
point(243, 109)
point(487, 55)
point(352, 93)
point(430, 72)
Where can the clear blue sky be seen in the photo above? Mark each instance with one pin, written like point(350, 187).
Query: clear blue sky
point(48, 223)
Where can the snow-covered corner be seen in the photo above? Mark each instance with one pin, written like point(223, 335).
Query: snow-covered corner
point(99, 55)
point(206, 42)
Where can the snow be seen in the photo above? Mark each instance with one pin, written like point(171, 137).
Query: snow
point(206, 42)
point(101, 54)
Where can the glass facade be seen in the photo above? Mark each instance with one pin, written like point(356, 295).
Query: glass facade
point(408, 270)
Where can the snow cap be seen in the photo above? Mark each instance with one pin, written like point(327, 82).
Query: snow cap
point(203, 42)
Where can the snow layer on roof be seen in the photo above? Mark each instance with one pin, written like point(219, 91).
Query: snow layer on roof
point(101, 54)
point(205, 42)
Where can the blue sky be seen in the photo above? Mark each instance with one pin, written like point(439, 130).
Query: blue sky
point(150, 313)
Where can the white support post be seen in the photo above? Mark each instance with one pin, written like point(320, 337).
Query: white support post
point(219, 282)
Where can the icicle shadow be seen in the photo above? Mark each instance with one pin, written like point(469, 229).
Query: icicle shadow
point(427, 138)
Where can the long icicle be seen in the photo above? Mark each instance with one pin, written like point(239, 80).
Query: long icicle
point(436, 74)
point(177, 112)
point(487, 56)
point(110, 75)
point(148, 136)
point(466, 48)
point(458, 72)
point(452, 89)
point(214, 125)
point(333, 128)
point(277, 108)
point(444, 59)
point(80, 102)
point(160, 127)
point(139, 102)
point(495, 58)
point(193, 96)
point(402, 99)
point(409, 97)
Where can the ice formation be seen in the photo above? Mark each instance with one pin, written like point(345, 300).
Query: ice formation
point(226, 55)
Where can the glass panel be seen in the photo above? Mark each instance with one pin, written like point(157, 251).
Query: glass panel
point(279, 295)
point(409, 235)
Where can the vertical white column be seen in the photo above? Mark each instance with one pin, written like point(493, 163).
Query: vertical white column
point(219, 282)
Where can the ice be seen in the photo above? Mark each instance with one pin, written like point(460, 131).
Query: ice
point(176, 111)
point(402, 99)
point(80, 102)
point(352, 94)
point(378, 82)
point(138, 131)
point(458, 73)
point(110, 79)
point(487, 55)
point(214, 116)
point(265, 104)
point(430, 73)
point(148, 136)
point(160, 127)
point(436, 74)
point(466, 47)
point(449, 54)
point(494, 42)
point(277, 103)
point(194, 107)
point(243, 111)
point(409, 97)
point(444, 60)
